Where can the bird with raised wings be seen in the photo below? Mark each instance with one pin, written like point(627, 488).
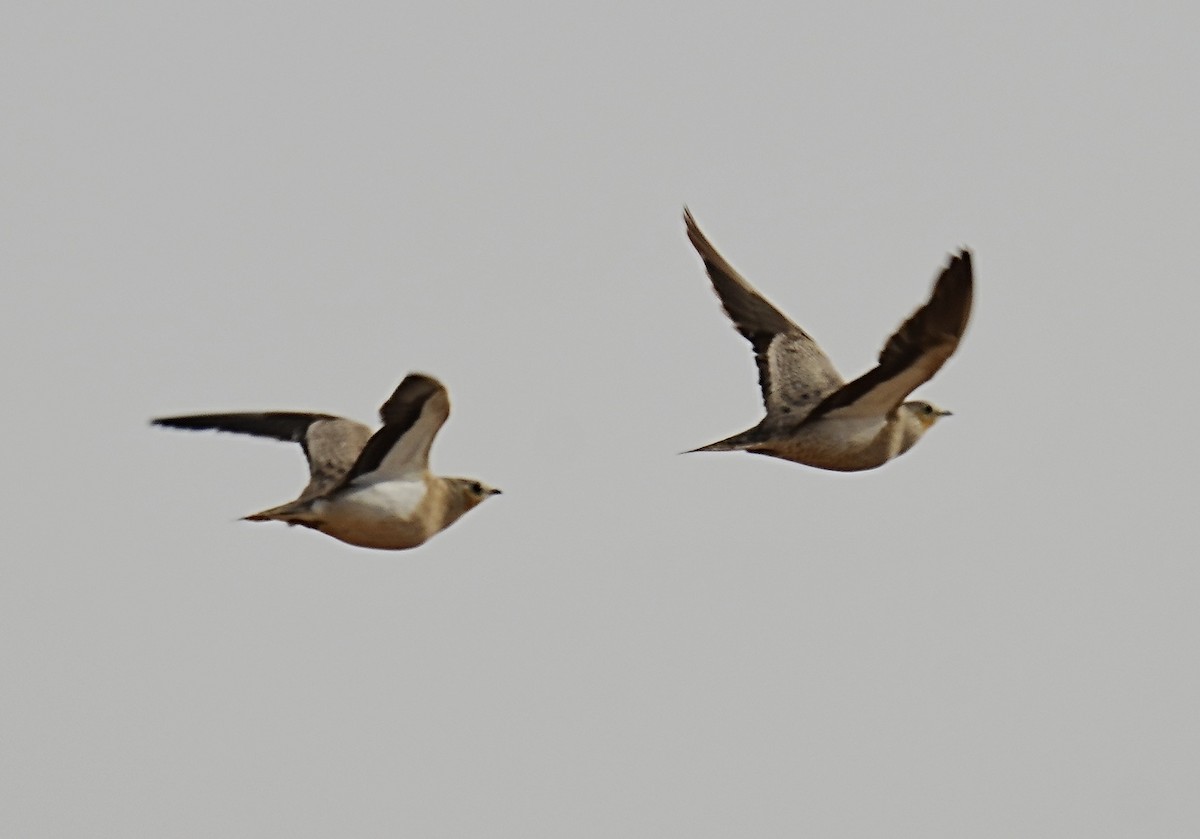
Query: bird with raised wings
point(371, 490)
point(814, 416)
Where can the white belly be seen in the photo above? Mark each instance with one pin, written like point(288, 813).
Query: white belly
point(388, 499)
point(391, 515)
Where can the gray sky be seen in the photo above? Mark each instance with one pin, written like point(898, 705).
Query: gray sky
point(225, 206)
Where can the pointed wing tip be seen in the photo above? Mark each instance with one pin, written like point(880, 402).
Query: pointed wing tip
point(410, 396)
point(693, 229)
point(185, 422)
point(706, 250)
point(945, 316)
point(415, 387)
point(963, 266)
point(957, 279)
point(424, 379)
point(960, 263)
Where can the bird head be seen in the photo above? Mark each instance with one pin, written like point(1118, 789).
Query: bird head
point(472, 492)
point(926, 413)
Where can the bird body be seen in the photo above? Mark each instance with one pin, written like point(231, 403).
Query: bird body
point(379, 513)
point(813, 416)
point(370, 490)
point(839, 445)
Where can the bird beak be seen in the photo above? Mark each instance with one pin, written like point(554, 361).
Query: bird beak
point(495, 492)
point(945, 413)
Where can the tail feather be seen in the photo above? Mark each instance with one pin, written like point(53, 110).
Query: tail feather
point(291, 513)
point(737, 443)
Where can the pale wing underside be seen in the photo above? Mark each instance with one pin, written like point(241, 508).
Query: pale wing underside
point(331, 444)
point(411, 419)
point(793, 373)
point(914, 353)
point(800, 376)
point(333, 447)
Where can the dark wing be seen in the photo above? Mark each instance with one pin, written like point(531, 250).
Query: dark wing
point(914, 353)
point(411, 419)
point(793, 373)
point(331, 444)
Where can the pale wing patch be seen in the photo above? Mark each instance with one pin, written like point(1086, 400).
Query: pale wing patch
point(793, 373)
point(409, 455)
point(854, 432)
point(801, 375)
point(373, 496)
point(885, 396)
point(913, 353)
point(332, 446)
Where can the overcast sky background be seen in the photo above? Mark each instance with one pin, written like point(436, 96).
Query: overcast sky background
point(230, 206)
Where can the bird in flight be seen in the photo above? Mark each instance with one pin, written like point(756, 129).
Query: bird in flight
point(814, 416)
point(371, 490)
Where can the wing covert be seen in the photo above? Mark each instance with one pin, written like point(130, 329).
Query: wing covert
point(331, 444)
point(794, 374)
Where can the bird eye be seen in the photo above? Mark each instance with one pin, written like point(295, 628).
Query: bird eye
point(477, 488)
point(928, 409)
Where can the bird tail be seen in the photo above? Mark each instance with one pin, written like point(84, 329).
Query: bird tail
point(293, 512)
point(737, 443)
